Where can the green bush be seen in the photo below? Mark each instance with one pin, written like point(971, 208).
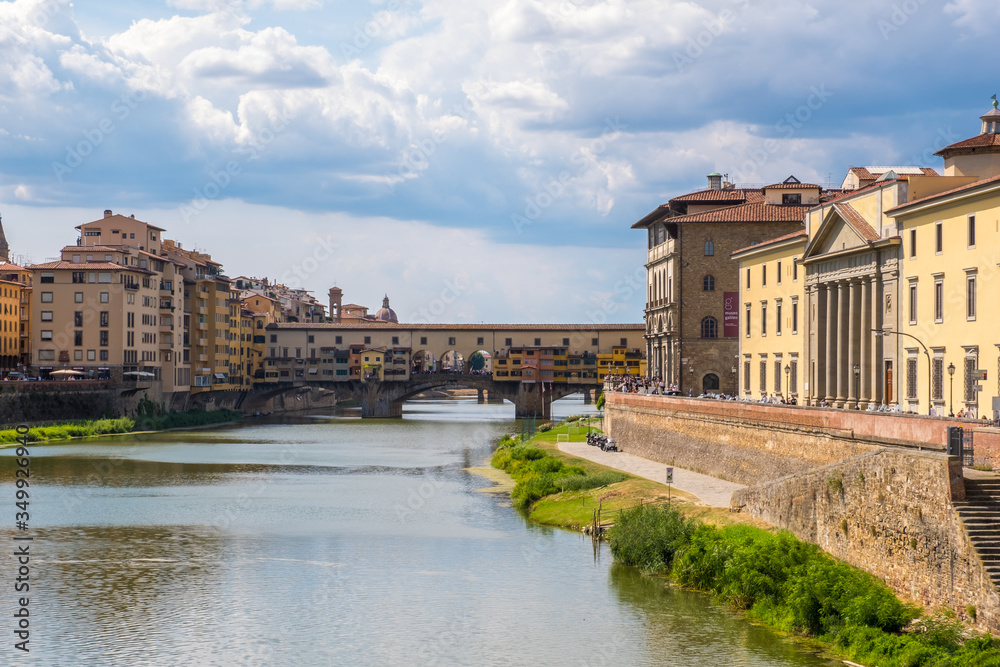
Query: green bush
point(146, 421)
point(649, 537)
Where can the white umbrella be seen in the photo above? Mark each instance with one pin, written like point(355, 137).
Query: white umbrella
point(141, 374)
point(67, 371)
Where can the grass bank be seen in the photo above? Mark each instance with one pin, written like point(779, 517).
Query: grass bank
point(771, 576)
point(143, 422)
point(795, 587)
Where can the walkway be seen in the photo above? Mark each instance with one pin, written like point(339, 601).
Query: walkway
point(710, 490)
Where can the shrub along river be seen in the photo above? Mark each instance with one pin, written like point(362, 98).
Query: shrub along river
point(328, 540)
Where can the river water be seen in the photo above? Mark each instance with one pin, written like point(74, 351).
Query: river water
point(328, 540)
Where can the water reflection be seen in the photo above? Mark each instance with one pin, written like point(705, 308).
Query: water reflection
point(328, 540)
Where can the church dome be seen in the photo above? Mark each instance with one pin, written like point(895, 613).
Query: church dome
point(385, 313)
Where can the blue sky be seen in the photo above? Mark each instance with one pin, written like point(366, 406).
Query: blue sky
point(479, 160)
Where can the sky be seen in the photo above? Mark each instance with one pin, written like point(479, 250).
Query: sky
point(476, 160)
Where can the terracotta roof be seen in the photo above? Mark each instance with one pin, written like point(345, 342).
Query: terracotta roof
point(750, 212)
point(92, 248)
point(732, 195)
point(104, 266)
point(857, 221)
point(801, 233)
point(458, 327)
point(865, 175)
point(793, 186)
point(979, 141)
point(946, 193)
point(866, 188)
point(8, 266)
point(354, 305)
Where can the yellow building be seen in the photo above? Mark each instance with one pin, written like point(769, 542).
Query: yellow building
point(17, 278)
point(772, 292)
point(949, 281)
point(373, 364)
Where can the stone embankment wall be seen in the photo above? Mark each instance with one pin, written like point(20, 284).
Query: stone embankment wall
point(878, 495)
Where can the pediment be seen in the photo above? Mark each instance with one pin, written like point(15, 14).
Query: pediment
point(842, 229)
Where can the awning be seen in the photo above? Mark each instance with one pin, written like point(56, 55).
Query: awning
point(313, 371)
point(220, 376)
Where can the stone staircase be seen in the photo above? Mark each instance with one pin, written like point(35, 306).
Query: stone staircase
point(980, 512)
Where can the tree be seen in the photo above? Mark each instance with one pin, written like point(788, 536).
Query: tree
point(600, 402)
point(477, 361)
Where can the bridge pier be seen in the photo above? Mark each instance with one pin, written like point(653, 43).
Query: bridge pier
point(481, 394)
point(379, 402)
point(532, 401)
point(586, 397)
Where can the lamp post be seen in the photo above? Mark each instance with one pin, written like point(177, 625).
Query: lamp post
point(857, 386)
point(691, 388)
point(735, 386)
point(883, 332)
point(788, 371)
point(951, 390)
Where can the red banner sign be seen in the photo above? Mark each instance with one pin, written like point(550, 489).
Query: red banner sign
point(731, 314)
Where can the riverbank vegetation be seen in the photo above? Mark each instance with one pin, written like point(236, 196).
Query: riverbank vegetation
point(794, 586)
point(142, 422)
point(772, 576)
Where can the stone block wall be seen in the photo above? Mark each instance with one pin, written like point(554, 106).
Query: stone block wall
point(888, 512)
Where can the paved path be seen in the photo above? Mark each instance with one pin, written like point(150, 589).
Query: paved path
point(710, 490)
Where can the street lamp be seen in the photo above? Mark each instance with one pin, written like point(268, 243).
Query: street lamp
point(951, 390)
point(883, 332)
point(735, 386)
point(691, 388)
point(788, 371)
point(857, 386)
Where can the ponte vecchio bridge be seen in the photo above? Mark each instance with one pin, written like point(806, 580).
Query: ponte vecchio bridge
point(382, 364)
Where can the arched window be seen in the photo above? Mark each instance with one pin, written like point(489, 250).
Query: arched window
point(709, 248)
point(710, 383)
point(708, 283)
point(709, 328)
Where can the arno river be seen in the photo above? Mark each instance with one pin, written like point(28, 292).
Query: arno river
point(329, 540)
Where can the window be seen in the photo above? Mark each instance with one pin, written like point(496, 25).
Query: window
point(395, 340)
point(913, 303)
point(479, 341)
point(970, 296)
point(47, 277)
point(748, 325)
point(310, 338)
point(746, 375)
point(77, 355)
point(779, 272)
point(78, 318)
point(566, 342)
point(104, 338)
point(790, 199)
point(937, 374)
point(79, 276)
point(795, 316)
point(538, 341)
point(507, 342)
point(104, 318)
point(709, 248)
point(938, 238)
point(104, 277)
point(46, 334)
point(46, 355)
point(709, 327)
point(939, 300)
point(763, 275)
point(793, 381)
point(911, 377)
point(708, 284)
point(972, 230)
point(46, 316)
point(595, 342)
point(451, 340)
point(91, 355)
point(105, 297)
point(104, 355)
point(336, 339)
point(763, 375)
point(623, 342)
point(777, 317)
point(795, 269)
point(777, 375)
point(763, 318)
point(368, 341)
point(46, 297)
point(77, 297)
point(971, 364)
point(913, 243)
point(748, 279)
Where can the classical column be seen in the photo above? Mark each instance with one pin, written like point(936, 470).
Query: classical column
point(814, 343)
point(829, 354)
point(878, 389)
point(852, 341)
point(866, 337)
point(843, 336)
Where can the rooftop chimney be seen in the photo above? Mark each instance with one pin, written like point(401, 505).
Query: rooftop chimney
point(107, 213)
point(715, 181)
